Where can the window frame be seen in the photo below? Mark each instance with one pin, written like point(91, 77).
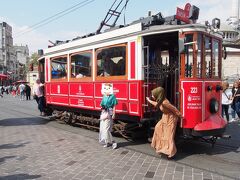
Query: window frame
point(189, 56)
point(212, 39)
point(112, 78)
point(60, 79)
point(83, 79)
point(203, 53)
point(218, 60)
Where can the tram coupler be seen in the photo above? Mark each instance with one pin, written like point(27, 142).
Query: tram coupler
point(225, 136)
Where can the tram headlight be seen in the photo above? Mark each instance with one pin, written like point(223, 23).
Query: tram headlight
point(219, 88)
point(214, 106)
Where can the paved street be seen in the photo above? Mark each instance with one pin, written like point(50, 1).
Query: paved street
point(32, 147)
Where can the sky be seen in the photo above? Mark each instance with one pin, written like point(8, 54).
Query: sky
point(23, 15)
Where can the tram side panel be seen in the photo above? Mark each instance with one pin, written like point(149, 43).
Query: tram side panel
point(81, 95)
point(59, 93)
point(87, 95)
point(192, 103)
point(127, 94)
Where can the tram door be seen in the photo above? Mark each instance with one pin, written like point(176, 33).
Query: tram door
point(41, 70)
point(161, 65)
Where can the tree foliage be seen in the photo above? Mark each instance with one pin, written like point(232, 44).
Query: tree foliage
point(34, 59)
point(32, 62)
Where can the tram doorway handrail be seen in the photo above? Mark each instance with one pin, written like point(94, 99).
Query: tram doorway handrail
point(145, 68)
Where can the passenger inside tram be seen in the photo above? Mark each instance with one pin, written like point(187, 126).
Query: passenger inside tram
point(80, 75)
point(109, 67)
point(111, 61)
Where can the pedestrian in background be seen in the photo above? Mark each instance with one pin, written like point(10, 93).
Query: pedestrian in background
point(6, 90)
point(164, 132)
point(14, 91)
point(38, 92)
point(233, 110)
point(226, 99)
point(22, 91)
point(28, 92)
point(236, 99)
point(2, 90)
point(1, 94)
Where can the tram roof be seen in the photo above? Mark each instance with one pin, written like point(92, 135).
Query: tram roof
point(135, 29)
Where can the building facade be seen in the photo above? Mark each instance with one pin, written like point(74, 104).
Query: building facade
point(12, 58)
point(6, 50)
point(8, 61)
point(231, 41)
point(22, 57)
point(22, 54)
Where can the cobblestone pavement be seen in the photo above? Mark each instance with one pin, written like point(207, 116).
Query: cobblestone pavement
point(30, 149)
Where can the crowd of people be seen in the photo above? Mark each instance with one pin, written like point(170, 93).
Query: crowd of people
point(25, 92)
point(231, 100)
point(22, 90)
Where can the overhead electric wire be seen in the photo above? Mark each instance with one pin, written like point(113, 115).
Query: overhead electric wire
point(46, 19)
point(54, 17)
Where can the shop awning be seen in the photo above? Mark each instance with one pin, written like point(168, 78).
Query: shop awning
point(3, 76)
point(20, 81)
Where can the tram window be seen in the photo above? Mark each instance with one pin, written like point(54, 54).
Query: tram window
point(208, 45)
point(111, 61)
point(215, 58)
point(59, 68)
point(81, 65)
point(189, 56)
point(199, 56)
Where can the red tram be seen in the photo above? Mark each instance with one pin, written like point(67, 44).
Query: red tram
point(185, 59)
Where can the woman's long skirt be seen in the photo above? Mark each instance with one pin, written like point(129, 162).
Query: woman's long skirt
point(105, 136)
point(163, 137)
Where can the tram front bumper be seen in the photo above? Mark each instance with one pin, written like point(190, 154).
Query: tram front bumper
point(214, 125)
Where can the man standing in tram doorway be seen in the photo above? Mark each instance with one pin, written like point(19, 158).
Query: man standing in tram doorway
point(38, 92)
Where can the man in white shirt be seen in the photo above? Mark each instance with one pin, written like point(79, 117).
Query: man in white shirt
point(38, 91)
point(21, 89)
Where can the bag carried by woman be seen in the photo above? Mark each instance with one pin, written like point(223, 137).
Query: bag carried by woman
point(104, 115)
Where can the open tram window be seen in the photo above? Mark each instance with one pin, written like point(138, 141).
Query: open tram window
point(208, 50)
point(59, 68)
point(81, 65)
point(199, 56)
point(216, 59)
point(111, 61)
point(189, 55)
